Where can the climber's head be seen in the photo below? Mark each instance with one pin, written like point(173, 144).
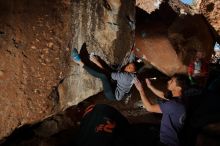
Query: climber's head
point(130, 67)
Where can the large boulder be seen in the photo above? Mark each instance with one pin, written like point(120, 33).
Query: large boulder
point(105, 28)
point(187, 37)
point(35, 41)
point(169, 41)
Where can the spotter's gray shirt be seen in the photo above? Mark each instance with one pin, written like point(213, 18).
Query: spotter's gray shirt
point(124, 83)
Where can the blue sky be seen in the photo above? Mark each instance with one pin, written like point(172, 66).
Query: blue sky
point(189, 2)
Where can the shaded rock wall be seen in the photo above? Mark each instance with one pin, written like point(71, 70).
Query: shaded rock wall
point(208, 8)
point(169, 41)
point(152, 40)
point(187, 36)
point(104, 27)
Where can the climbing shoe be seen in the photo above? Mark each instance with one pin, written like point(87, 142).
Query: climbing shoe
point(75, 55)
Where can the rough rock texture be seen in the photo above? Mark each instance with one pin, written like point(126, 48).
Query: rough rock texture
point(36, 37)
point(211, 10)
point(33, 39)
point(104, 27)
point(169, 41)
point(148, 5)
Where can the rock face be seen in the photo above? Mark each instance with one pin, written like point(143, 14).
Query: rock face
point(187, 37)
point(152, 41)
point(35, 41)
point(105, 28)
point(179, 7)
point(211, 10)
point(148, 5)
